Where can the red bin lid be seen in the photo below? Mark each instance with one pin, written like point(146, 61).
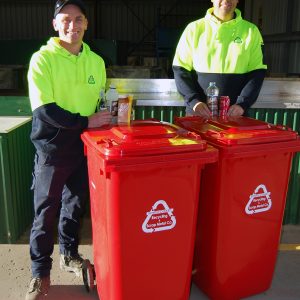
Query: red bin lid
point(236, 130)
point(143, 138)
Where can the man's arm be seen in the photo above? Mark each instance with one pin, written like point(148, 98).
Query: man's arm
point(184, 74)
point(256, 72)
point(58, 117)
point(188, 87)
point(251, 89)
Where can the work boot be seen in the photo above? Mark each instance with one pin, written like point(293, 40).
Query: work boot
point(71, 264)
point(38, 288)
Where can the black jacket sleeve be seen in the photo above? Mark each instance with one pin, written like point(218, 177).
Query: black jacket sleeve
point(250, 92)
point(58, 117)
point(187, 85)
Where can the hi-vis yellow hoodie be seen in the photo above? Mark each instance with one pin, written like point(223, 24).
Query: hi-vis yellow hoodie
point(72, 82)
point(228, 53)
point(64, 90)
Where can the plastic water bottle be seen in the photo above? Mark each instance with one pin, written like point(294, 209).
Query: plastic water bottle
point(212, 93)
point(111, 98)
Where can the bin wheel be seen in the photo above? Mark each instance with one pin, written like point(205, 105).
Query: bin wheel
point(88, 275)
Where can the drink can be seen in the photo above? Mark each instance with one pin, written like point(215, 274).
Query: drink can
point(224, 104)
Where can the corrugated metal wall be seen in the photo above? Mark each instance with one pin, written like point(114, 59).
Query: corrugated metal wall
point(21, 20)
point(131, 26)
point(116, 20)
point(280, 25)
point(274, 17)
point(125, 23)
point(296, 19)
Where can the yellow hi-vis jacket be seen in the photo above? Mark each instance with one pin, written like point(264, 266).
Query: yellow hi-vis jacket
point(228, 53)
point(72, 82)
point(64, 90)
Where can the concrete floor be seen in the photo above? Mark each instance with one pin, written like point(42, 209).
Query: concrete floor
point(15, 271)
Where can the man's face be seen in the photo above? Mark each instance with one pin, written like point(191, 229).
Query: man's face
point(71, 24)
point(224, 7)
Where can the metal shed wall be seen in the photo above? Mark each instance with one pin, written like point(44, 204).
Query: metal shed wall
point(115, 20)
point(280, 25)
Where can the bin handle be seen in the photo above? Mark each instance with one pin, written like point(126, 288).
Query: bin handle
point(283, 127)
point(190, 134)
point(211, 132)
point(108, 143)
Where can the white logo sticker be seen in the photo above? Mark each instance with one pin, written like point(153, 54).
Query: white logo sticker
point(159, 218)
point(259, 201)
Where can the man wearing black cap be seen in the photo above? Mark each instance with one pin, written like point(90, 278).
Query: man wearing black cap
point(65, 79)
point(60, 4)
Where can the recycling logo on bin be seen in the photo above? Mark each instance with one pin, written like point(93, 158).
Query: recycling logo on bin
point(259, 201)
point(159, 218)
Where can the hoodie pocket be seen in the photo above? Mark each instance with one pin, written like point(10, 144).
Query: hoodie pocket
point(56, 132)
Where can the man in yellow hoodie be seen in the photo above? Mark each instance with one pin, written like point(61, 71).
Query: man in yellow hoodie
point(65, 79)
point(223, 48)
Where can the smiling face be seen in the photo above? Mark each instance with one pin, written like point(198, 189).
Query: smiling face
point(71, 25)
point(224, 9)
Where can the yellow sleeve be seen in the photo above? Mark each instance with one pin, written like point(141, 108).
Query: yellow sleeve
point(256, 60)
point(39, 82)
point(184, 55)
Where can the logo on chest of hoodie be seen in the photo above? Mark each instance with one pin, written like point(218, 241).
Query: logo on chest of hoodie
point(238, 40)
point(91, 80)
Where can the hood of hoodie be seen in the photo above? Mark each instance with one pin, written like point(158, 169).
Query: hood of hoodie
point(54, 46)
point(210, 16)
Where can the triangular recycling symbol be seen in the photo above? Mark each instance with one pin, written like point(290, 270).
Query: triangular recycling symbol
point(259, 201)
point(159, 218)
point(91, 80)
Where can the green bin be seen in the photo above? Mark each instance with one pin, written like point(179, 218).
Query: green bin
point(16, 162)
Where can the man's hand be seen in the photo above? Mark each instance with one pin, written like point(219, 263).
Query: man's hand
point(235, 110)
point(99, 119)
point(202, 110)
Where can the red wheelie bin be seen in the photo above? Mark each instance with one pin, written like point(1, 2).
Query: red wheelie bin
point(242, 201)
point(144, 183)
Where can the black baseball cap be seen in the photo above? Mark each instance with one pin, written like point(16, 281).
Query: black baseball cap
point(60, 4)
